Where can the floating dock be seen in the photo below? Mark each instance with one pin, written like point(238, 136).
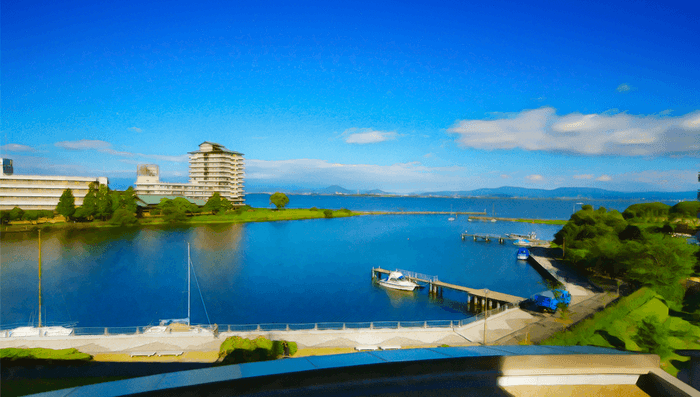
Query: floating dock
point(500, 238)
point(477, 298)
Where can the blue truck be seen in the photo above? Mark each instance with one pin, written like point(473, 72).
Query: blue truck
point(550, 300)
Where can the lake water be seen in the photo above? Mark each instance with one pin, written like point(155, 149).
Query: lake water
point(273, 272)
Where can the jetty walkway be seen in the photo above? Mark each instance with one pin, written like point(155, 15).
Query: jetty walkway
point(488, 237)
point(479, 298)
point(419, 213)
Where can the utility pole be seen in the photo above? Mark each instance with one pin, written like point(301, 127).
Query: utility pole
point(39, 278)
point(486, 311)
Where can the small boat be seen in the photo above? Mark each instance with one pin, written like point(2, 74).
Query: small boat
point(396, 280)
point(493, 220)
point(452, 217)
point(523, 254)
point(522, 242)
point(531, 235)
point(40, 331)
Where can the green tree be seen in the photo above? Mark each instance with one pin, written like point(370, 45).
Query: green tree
point(124, 200)
point(328, 213)
point(226, 205)
point(66, 204)
point(652, 337)
point(16, 214)
point(660, 263)
point(103, 207)
point(88, 210)
point(280, 200)
point(214, 204)
point(123, 217)
point(176, 210)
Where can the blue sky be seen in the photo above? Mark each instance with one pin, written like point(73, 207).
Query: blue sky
point(398, 96)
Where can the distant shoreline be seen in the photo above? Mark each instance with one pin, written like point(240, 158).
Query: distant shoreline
point(640, 199)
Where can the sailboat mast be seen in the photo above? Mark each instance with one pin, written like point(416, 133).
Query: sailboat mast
point(39, 278)
point(189, 272)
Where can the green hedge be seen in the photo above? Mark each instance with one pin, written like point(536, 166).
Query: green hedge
point(13, 354)
point(237, 350)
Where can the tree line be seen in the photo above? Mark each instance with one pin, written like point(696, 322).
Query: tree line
point(119, 207)
point(636, 246)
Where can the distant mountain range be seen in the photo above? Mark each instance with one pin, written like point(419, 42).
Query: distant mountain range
point(505, 192)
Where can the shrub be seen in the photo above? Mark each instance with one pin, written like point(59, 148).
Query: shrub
point(123, 217)
point(345, 210)
point(328, 213)
point(237, 350)
point(313, 209)
point(14, 354)
point(652, 337)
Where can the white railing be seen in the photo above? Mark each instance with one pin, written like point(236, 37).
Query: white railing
point(323, 326)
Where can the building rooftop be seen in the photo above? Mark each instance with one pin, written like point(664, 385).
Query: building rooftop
point(154, 199)
point(217, 148)
point(451, 371)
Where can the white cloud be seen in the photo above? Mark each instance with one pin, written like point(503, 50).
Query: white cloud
point(83, 144)
point(587, 134)
point(106, 147)
point(505, 176)
point(535, 178)
point(624, 88)
point(584, 176)
point(367, 135)
point(135, 129)
point(604, 178)
point(395, 177)
point(15, 147)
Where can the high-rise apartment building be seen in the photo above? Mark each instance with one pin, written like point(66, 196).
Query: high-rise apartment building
point(213, 168)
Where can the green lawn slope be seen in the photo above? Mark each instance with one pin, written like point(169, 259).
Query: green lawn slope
point(640, 322)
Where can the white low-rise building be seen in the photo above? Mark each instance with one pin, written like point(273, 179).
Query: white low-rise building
point(40, 192)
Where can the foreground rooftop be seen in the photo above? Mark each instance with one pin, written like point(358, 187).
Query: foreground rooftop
point(450, 371)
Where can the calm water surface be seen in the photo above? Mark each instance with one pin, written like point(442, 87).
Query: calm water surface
point(274, 272)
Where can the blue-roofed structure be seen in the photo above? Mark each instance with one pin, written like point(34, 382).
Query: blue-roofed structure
point(450, 371)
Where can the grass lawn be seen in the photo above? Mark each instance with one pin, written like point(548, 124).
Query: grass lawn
point(251, 215)
point(617, 326)
point(543, 221)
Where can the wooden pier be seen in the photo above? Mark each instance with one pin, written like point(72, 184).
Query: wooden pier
point(501, 239)
point(478, 299)
point(420, 213)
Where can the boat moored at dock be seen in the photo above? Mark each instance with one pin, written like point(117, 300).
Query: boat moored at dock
point(522, 254)
point(396, 280)
point(522, 242)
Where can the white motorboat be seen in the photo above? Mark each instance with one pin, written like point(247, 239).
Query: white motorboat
point(531, 235)
point(396, 280)
point(522, 242)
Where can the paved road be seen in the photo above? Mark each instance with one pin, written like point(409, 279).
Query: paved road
point(549, 324)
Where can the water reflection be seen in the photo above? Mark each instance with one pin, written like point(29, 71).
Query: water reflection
point(302, 271)
point(399, 298)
